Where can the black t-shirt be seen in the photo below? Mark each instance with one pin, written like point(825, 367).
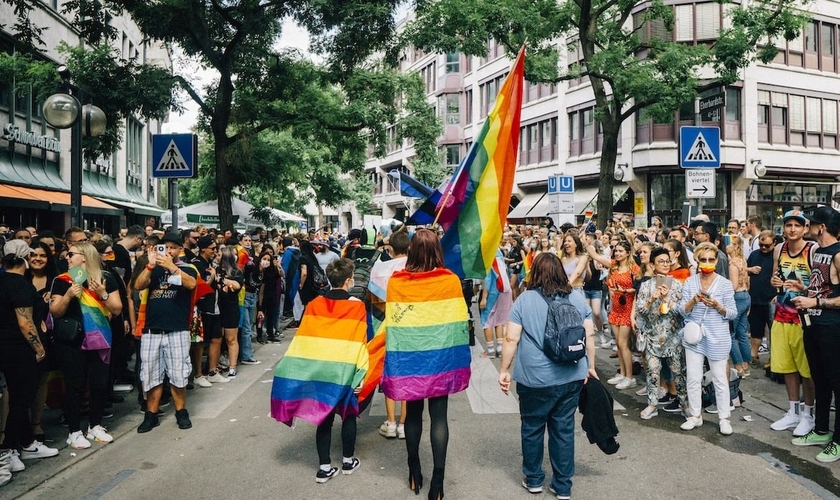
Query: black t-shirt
point(761, 292)
point(230, 298)
point(253, 277)
point(122, 260)
point(15, 291)
point(169, 306)
point(206, 304)
point(60, 287)
point(820, 285)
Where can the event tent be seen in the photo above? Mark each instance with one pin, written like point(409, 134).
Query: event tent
point(207, 213)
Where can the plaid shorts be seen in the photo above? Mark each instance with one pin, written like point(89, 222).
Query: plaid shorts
point(165, 354)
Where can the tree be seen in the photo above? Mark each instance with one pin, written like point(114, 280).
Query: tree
point(629, 71)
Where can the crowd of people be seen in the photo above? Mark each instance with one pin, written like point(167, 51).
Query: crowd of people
point(686, 310)
point(185, 305)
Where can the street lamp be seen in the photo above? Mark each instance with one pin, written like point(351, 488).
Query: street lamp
point(65, 111)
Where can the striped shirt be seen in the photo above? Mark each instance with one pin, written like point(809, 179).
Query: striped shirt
point(717, 342)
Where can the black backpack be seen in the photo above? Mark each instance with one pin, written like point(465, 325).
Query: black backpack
point(565, 337)
point(363, 258)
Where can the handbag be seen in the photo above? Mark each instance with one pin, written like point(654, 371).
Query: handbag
point(66, 329)
point(693, 332)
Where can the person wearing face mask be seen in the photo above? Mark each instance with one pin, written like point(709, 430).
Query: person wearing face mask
point(268, 298)
point(120, 344)
point(708, 299)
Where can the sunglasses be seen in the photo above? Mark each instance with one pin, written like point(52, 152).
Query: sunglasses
point(763, 245)
point(71, 254)
point(708, 260)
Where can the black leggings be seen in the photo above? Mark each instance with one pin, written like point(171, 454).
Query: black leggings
point(439, 429)
point(323, 438)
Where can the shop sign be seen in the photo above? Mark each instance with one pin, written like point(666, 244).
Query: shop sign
point(13, 133)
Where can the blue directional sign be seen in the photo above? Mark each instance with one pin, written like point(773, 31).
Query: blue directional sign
point(699, 147)
point(174, 155)
point(565, 184)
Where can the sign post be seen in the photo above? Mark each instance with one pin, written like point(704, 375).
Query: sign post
point(700, 156)
point(174, 156)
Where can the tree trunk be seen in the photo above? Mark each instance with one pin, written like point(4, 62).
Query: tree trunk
point(609, 152)
point(219, 124)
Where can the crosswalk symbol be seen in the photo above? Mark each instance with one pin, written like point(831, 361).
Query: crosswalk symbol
point(172, 160)
point(700, 150)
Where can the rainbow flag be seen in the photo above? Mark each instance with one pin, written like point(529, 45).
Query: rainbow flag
point(476, 202)
point(427, 352)
point(325, 362)
point(527, 263)
point(96, 320)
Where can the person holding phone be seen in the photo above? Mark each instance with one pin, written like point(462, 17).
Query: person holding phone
point(658, 319)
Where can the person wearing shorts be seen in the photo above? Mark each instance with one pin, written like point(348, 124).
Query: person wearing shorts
point(165, 344)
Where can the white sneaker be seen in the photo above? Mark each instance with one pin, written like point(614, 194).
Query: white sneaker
point(714, 410)
point(786, 422)
point(806, 425)
point(388, 429)
point(691, 423)
point(78, 441)
point(202, 381)
point(725, 427)
point(216, 378)
point(615, 380)
point(99, 434)
point(400, 431)
point(642, 391)
point(627, 383)
point(16, 463)
point(37, 450)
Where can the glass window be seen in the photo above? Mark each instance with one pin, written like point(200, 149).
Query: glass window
point(533, 137)
point(708, 20)
point(588, 123)
point(797, 113)
point(811, 36)
point(763, 114)
point(779, 116)
point(453, 62)
point(814, 115)
point(684, 23)
point(453, 155)
point(829, 116)
point(574, 126)
point(827, 44)
point(733, 104)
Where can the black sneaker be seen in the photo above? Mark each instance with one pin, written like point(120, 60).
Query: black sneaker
point(673, 406)
point(182, 416)
point(667, 398)
point(150, 421)
point(323, 476)
point(349, 467)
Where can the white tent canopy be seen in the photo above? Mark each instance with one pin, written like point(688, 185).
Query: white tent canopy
point(208, 213)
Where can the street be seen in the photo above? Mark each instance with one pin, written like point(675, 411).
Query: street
point(235, 450)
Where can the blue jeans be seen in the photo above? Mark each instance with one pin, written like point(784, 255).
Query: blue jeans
point(555, 408)
point(740, 351)
point(246, 326)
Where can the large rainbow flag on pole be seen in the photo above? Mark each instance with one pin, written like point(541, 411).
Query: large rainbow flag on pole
point(326, 361)
point(474, 206)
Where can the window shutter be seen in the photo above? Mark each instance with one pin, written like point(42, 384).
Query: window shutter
point(797, 111)
point(829, 116)
point(708, 20)
point(814, 112)
point(685, 23)
point(779, 99)
point(764, 97)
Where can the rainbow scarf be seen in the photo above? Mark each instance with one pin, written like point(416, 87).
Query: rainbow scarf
point(380, 274)
point(427, 351)
point(96, 319)
point(325, 362)
point(478, 196)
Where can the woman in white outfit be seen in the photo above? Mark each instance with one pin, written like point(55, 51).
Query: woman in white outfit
point(709, 300)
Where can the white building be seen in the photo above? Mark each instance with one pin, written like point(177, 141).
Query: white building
point(35, 160)
point(782, 116)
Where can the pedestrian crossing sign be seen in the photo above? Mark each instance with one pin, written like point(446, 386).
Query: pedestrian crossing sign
point(174, 155)
point(699, 147)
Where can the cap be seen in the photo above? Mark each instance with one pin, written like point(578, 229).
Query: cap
point(797, 215)
point(701, 217)
point(19, 249)
point(172, 237)
point(820, 215)
point(354, 234)
point(205, 241)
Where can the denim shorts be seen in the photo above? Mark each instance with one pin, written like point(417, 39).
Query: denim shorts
point(592, 294)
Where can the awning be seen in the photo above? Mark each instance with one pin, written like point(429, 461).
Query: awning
point(46, 199)
point(136, 207)
point(528, 202)
point(587, 197)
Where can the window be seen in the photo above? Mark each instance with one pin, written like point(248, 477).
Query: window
point(684, 23)
point(588, 123)
point(538, 142)
point(427, 73)
point(453, 155)
point(733, 104)
point(488, 92)
point(468, 108)
point(449, 107)
point(708, 20)
point(453, 62)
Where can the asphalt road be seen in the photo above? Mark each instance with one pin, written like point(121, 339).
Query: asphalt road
point(235, 450)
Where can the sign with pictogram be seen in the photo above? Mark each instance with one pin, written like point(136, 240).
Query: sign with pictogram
point(174, 155)
point(699, 147)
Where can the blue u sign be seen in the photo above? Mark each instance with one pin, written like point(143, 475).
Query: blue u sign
point(552, 184)
point(565, 184)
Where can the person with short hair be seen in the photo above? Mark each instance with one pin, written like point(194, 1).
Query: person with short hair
point(165, 344)
point(760, 266)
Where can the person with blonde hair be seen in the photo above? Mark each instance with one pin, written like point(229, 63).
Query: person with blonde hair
point(740, 278)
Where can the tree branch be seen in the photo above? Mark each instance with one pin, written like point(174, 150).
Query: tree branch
point(225, 13)
point(187, 86)
point(634, 108)
point(604, 8)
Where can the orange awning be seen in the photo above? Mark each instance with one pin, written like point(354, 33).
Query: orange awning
point(55, 198)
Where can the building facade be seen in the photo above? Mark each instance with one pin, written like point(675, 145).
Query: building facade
point(118, 190)
point(782, 116)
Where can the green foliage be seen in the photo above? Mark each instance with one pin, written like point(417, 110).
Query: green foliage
point(27, 34)
point(29, 75)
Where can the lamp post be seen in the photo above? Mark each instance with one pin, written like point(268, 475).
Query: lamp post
point(63, 111)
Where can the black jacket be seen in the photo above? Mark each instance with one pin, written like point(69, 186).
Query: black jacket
point(598, 422)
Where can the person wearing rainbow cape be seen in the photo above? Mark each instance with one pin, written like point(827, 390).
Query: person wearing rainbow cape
point(324, 368)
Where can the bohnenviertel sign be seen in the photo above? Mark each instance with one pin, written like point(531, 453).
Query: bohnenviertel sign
point(13, 133)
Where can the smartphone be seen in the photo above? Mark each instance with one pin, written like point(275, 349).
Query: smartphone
point(664, 280)
point(160, 249)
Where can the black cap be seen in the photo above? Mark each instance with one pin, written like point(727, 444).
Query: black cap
point(354, 234)
point(821, 215)
point(172, 237)
point(205, 241)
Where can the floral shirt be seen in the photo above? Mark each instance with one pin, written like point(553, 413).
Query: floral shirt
point(662, 330)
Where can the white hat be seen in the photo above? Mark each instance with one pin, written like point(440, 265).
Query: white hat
point(702, 217)
point(19, 249)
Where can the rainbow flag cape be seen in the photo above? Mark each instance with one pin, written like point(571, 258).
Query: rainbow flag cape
point(476, 202)
point(527, 263)
point(96, 319)
point(427, 352)
point(325, 362)
point(380, 274)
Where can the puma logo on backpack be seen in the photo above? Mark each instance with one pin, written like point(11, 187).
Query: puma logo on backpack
point(565, 336)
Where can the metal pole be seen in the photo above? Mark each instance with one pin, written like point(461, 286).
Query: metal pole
point(698, 121)
point(76, 218)
point(173, 202)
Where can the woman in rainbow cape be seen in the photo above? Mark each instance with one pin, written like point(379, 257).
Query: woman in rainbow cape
point(87, 296)
point(427, 353)
point(324, 368)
